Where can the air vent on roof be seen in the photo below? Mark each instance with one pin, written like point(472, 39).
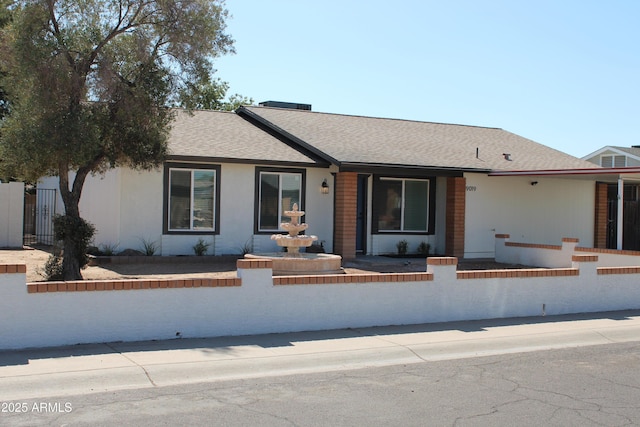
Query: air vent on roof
point(289, 105)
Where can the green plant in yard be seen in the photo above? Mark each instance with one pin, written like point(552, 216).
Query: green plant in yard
point(247, 248)
point(201, 247)
point(149, 247)
point(109, 249)
point(424, 248)
point(402, 247)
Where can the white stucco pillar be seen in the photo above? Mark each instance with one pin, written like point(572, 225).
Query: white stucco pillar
point(619, 219)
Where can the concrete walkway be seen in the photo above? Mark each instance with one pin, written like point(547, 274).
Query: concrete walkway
point(93, 368)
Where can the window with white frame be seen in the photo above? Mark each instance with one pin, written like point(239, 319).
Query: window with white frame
point(277, 192)
point(613, 161)
point(191, 199)
point(401, 205)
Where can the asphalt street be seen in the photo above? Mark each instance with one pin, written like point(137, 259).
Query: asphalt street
point(566, 370)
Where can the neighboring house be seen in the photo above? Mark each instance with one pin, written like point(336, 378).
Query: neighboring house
point(230, 176)
point(621, 157)
point(618, 157)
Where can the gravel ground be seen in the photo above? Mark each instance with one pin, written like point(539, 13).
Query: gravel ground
point(224, 266)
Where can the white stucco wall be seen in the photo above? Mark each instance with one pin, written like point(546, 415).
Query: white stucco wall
point(542, 213)
point(11, 214)
point(126, 207)
point(258, 306)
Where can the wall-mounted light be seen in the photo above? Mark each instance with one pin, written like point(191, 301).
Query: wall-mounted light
point(534, 182)
point(324, 188)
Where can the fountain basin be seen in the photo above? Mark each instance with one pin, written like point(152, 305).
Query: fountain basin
point(286, 264)
point(293, 243)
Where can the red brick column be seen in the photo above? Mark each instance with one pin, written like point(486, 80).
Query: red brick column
point(456, 197)
point(600, 223)
point(346, 211)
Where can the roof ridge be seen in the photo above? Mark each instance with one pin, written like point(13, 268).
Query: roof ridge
point(373, 117)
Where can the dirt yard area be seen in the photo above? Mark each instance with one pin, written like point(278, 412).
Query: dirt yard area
point(224, 266)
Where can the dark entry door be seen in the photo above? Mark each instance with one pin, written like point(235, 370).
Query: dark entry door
point(361, 225)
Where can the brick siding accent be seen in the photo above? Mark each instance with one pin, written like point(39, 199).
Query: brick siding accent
point(254, 263)
point(442, 261)
point(12, 268)
point(346, 211)
point(127, 285)
point(618, 270)
point(328, 279)
point(533, 245)
point(584, 258)
point(456, 201)
point(529, 272)
point(609, 251)
point(600, 222)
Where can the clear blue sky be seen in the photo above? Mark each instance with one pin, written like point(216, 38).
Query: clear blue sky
point(564, 73)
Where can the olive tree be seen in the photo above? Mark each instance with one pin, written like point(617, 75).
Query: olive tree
point(89, 85)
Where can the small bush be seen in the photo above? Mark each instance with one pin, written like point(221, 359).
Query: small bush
point(78, 231)
point(149, 247)
point(247, 248)
point(201, 247)
point(424, 248)
point(402, 247)
point(53, 268)
point(109, 249)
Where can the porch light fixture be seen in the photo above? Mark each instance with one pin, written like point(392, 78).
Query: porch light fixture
point(324, 188)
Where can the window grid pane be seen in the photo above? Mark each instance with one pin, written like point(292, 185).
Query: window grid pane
point(192, 199)
point(180, 200)
point(416, 201)
point(278, 193)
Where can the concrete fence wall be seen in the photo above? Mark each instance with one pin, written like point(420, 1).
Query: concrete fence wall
point(558, 256)
point(59, 313)
point(11, 214)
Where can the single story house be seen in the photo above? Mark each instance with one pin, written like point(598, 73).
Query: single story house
point(365, 183)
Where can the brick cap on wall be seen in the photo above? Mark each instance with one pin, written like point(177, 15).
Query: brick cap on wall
point(443, 260)
point(12, 268)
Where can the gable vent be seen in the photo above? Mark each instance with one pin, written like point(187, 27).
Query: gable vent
point(611, 161)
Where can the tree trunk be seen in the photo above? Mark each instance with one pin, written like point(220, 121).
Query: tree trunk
point(70, 260)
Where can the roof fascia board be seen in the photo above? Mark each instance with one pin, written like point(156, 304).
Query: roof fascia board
point(199, 159)
point(388, 168)
point(296, 142)
point(560, 172)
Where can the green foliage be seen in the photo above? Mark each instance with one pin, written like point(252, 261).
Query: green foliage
point(402, 247)
point(90, 84)
point(109, 249)
point(149, 247)
point(211, 96)
point(76, 233)
point(53, 268)
point(201, 247)
point(424, 248)
point(247, 248)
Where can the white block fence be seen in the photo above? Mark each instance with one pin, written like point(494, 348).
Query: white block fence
point(60, 313)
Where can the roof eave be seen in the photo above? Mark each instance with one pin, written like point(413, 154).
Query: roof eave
point(363, 166)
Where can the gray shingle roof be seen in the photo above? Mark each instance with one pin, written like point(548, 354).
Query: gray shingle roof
point(634, 151)
point(379, 141)
point(225, 135)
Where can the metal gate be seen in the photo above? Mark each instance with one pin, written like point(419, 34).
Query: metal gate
point(631, 224)
point(39, 210)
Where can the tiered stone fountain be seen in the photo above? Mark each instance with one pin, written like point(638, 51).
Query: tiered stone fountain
point(293, 261)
